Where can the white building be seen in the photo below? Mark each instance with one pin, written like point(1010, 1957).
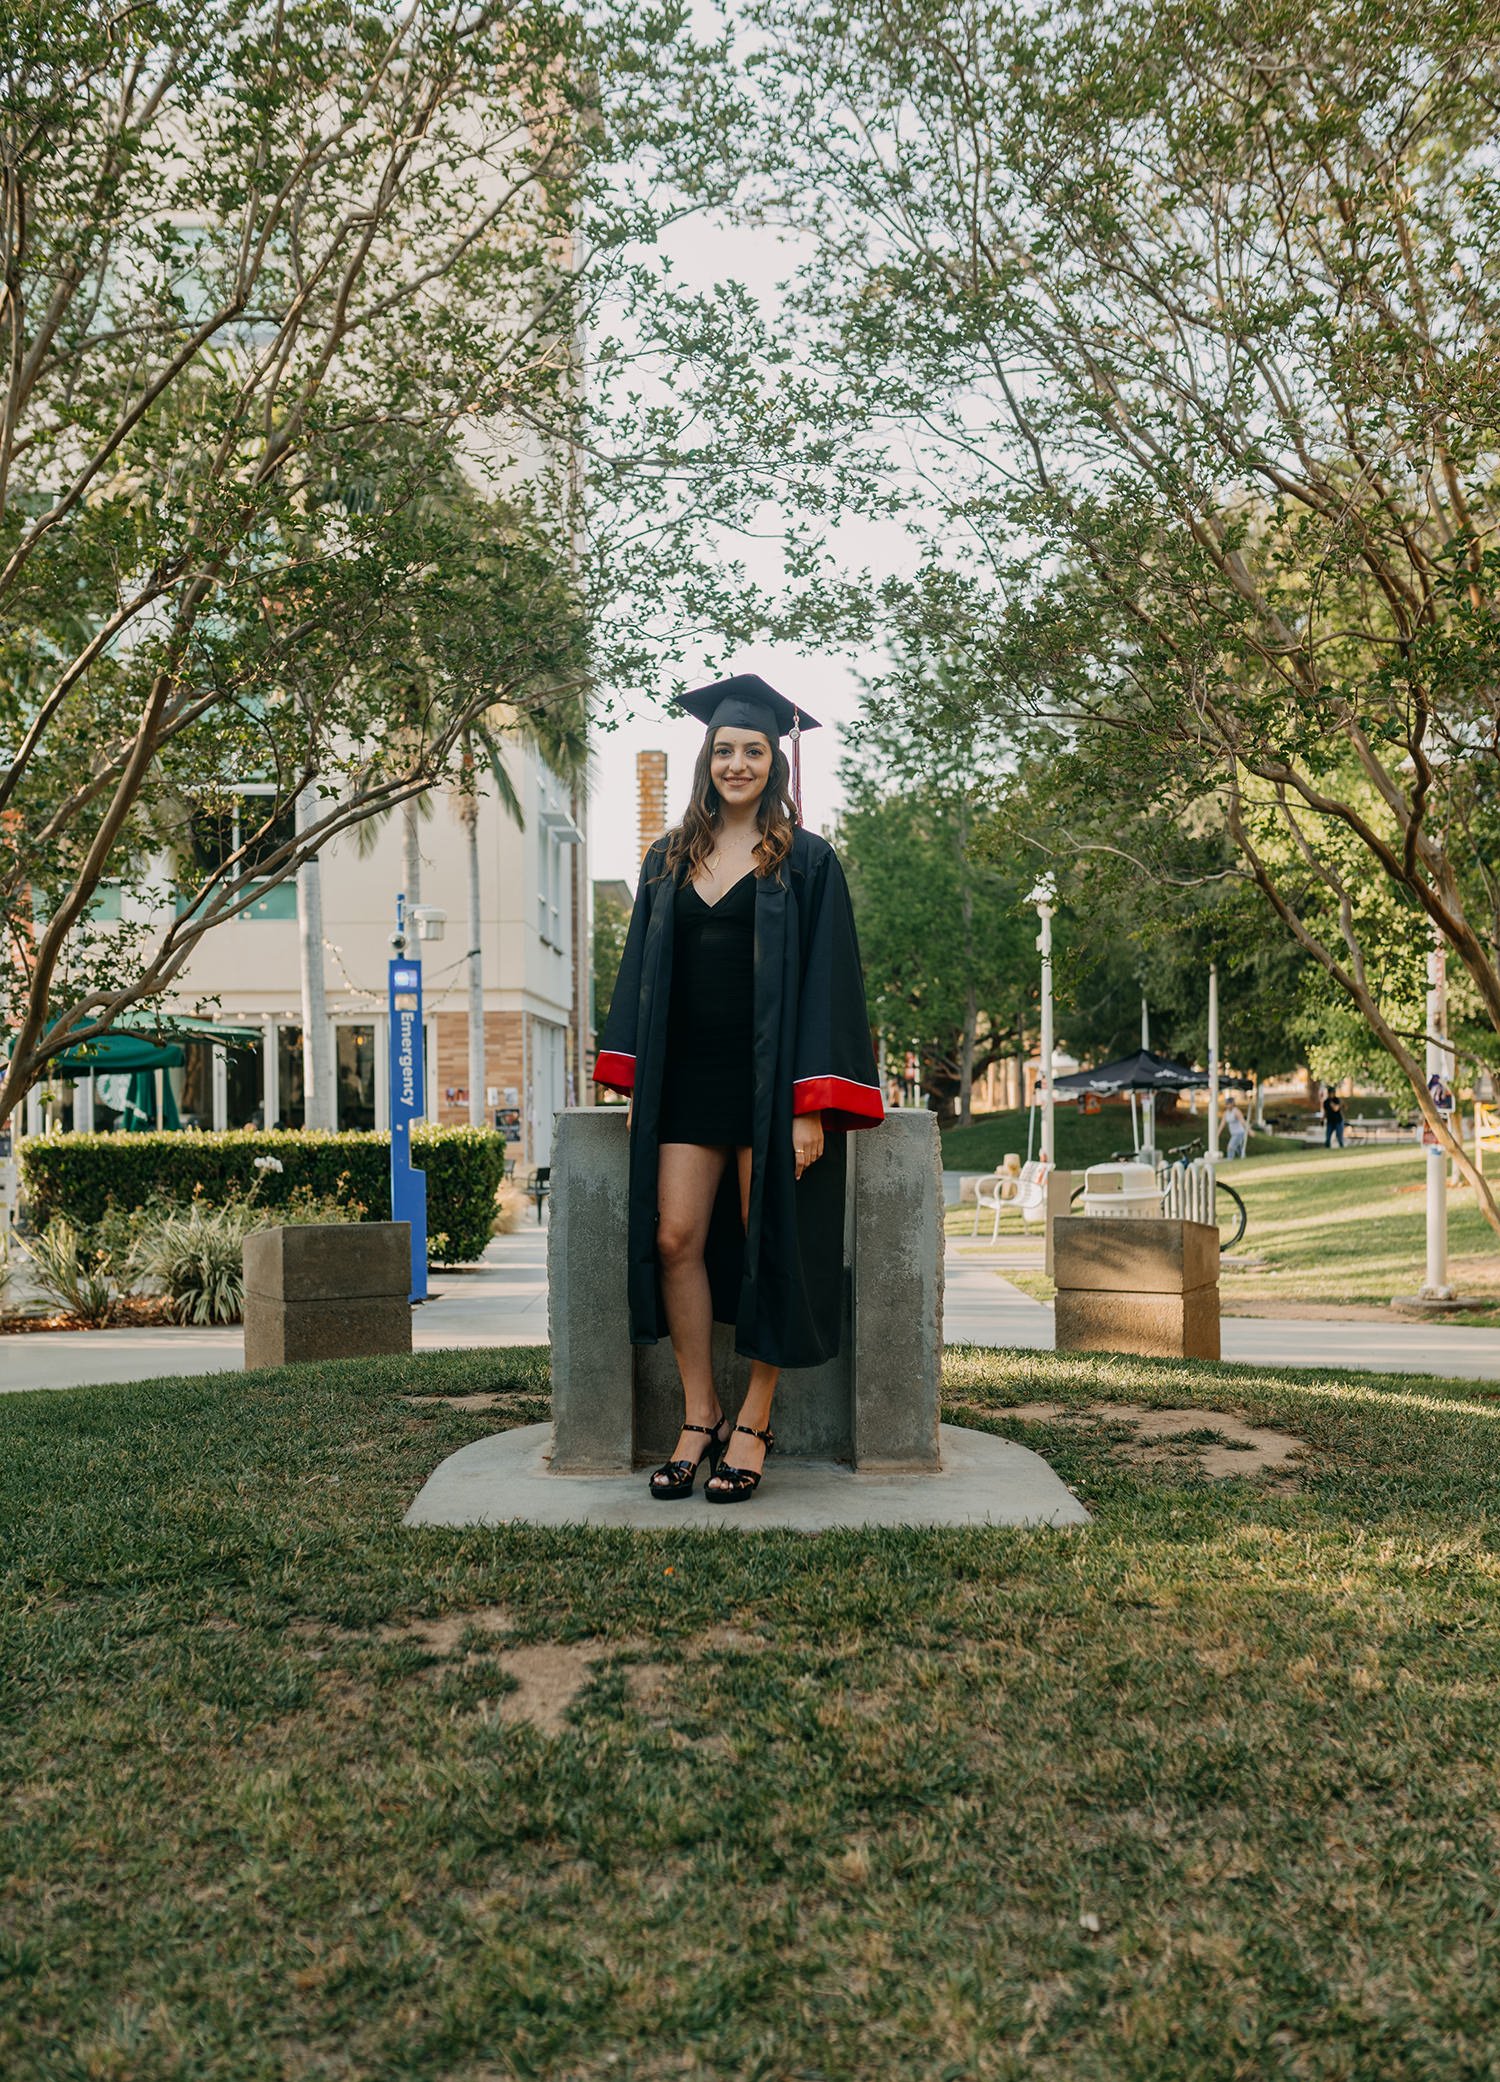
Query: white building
point(535, 943)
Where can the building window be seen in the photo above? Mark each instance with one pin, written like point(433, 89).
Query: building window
point(355, 1076)
point(290, 1095)
point(243, 1089)
point(193, 1085)
point(279, 901)
point(217, 830)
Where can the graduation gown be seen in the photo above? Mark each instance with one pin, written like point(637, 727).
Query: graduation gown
point(780, 1278)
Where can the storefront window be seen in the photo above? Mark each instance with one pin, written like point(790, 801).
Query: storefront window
point(244, 1088)
point(356, 1077)
point(58, 1111)
point(290, 1089)
point(193, 1085)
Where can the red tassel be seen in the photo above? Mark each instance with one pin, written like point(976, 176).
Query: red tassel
point(797, 760)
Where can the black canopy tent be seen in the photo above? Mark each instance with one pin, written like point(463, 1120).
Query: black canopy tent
point(1145, 1071)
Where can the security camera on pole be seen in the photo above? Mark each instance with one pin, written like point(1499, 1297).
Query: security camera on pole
point(409, 1080)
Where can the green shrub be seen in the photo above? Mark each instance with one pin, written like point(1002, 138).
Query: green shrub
point(196, 1257)
point(195, 1254)
point(85, 1177)
point(71, 1272)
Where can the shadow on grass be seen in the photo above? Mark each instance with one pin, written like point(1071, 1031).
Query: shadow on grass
point(1204, 1789)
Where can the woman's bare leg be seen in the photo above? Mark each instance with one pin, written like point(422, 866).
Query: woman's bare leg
point(687, 1183)
point(755, 1410)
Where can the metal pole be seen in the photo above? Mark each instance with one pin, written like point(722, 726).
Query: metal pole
point(1148, 1099)
point(1435, 1287)
point(317, 1036)
point(1042, 897)
point(408, 1100)
point(1213, 1062)
point(476, 1021)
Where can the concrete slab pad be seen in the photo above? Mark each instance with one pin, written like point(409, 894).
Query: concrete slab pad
point(984, 1481)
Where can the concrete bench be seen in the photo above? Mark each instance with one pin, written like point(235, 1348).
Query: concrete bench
point(875, 1406)
point(327, 1290)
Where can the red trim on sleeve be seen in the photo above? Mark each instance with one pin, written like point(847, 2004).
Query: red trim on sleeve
point(617, 1071)
point(842, 1103)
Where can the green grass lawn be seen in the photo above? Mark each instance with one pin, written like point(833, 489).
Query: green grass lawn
point(1333, 1227)
point(1205, 1790)
point(1352, 1226)
point(1082, 1138)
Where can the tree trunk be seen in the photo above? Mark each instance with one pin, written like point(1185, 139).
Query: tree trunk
point(411, 856)
point(971, 1008)
point(966, 1058)
point(317, 1055)
point(469, 812)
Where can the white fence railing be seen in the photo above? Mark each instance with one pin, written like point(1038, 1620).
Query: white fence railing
point(1187, 1192)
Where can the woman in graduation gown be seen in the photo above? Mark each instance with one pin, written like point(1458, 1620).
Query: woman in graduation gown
point(738, 1026)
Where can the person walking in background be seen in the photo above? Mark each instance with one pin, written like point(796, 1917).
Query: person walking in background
point(1238, 1128)
point(1333, 1118)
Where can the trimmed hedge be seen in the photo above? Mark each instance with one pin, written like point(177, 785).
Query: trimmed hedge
point(80, 1176)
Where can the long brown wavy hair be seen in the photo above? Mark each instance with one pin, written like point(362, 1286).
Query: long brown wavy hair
point(694, 839)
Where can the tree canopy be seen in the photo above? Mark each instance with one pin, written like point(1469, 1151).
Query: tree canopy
point(294, 301)
point(1176, 325)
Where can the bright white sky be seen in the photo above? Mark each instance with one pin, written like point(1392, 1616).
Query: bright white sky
point(706, 254)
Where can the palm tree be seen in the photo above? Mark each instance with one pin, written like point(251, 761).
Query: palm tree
point(559, 736)
point(317, 1052)
point(557, 733)
point(520, 589)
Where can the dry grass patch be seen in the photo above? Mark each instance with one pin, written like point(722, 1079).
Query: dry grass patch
point(549, 1675)
point(1158, 1435)
point(493, 1399)
point(441, 1637)
point(546, 1677)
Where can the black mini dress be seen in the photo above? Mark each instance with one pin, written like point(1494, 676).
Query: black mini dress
point(708, 1080)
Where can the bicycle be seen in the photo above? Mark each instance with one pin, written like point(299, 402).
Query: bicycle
point(1231, 1214)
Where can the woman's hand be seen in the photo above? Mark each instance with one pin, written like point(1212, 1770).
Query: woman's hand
point(807, 1140)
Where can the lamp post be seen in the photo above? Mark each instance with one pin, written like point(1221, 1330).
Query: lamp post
point(1213, 1063)
point(1044, 897)
point(1436, 1287)
point(1148, 1099)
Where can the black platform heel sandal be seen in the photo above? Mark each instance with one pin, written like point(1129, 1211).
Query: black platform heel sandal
point(675, 1478)
point(745, 1480)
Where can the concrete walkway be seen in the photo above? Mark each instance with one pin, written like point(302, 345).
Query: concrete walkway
point(503, 1301)
point(982, 1307)
point(500, 1301)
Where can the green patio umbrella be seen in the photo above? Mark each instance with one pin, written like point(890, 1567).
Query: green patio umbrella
point(135, 1053)
point(139, 1112)
point(118, 1054)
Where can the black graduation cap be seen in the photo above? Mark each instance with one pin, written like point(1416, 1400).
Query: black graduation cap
point(750, 703)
